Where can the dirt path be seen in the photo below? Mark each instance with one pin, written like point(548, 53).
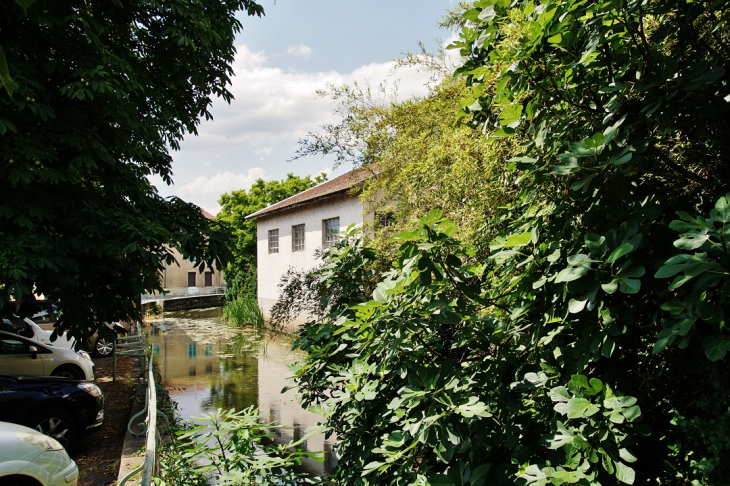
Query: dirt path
point(97, 455)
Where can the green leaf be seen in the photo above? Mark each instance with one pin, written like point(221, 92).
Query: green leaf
point(576, 306)
point(25, 4)
point(721, 212)
point(518, 240)
point(440, 480)
point(5, 74)
point(716, 347)
point(581, 408)
point(624, 473)
point(510, 115)
point(693, 240)
point(623, 249)
point(560, 394)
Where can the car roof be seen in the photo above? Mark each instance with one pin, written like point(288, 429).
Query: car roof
point(32, 341)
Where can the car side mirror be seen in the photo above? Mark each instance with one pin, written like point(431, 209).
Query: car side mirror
point(33, 352)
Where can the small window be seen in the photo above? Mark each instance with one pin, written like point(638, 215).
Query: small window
point(274, 241)
point(297, 237)
point(384, 219)
point(330, 232)
point(191, 279)
point(208, 279)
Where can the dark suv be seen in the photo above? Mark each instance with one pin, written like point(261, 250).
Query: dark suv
point(62, 408)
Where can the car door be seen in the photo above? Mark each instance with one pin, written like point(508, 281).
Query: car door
point(17, 359)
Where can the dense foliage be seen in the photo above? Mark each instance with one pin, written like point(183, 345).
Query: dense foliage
point(425, 153)
point(590, 346)
point(231, 448)
point(241, 271)
point(94, 96)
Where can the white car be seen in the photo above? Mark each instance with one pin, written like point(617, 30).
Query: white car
point(22, 356)
point(42, 333)
point(27, 328)
point(29, 457)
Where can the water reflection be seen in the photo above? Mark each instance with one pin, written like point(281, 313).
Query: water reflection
point(206, 365)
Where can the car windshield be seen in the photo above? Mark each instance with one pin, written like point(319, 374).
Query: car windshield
point(17, 326)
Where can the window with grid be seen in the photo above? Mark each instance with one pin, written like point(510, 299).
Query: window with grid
point(384, 219)
point(274, 241)
point(297, 232)
point(330, 232)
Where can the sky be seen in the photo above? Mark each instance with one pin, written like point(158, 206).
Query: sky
point(282, 59)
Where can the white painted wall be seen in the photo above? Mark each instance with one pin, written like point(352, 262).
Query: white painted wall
point(271, 266)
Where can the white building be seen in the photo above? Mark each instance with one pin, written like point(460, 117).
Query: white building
point(290, 231)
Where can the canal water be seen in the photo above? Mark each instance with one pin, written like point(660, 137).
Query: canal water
point(207, 364)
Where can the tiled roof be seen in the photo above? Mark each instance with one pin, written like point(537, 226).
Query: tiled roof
point(337, 185)
point(207, 214)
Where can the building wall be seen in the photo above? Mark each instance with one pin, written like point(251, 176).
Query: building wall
point(176, 277)
point(271, 266)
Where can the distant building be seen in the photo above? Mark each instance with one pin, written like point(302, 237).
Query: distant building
point(290, 231)
point(184, 275)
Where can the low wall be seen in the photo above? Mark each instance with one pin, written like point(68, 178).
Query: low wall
point(198, 302)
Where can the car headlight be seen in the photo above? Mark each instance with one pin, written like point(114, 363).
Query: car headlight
point(39, 440)
point(91, 389)
point(83, 354)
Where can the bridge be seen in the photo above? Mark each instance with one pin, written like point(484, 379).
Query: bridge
point(186, 298)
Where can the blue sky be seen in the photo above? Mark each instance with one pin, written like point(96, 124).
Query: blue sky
point(283, 58)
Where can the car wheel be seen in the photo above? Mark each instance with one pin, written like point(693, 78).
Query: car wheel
point(104, 347)
point(57, 424)
point(68, 372)
point(19, 481)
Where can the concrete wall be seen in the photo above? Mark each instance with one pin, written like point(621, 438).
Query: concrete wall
point(176, 276)
point(271, 266)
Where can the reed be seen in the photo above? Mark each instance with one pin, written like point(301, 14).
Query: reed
point(244, 311)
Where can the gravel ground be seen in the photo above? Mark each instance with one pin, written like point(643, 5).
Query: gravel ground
point(98, 454)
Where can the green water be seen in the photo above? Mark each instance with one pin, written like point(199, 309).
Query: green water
point(207, 364)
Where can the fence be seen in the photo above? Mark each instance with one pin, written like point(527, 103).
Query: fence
point(136, 346)
point(183, 293)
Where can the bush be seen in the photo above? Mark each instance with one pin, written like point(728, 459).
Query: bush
point(441, 379)
point(232, 448)
point(244, 311)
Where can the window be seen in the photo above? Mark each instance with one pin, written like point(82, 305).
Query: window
point(330, 232)
point(384, 219)
point(208, 279)
point(191, 279)
point(297, 238)
point(274, 241)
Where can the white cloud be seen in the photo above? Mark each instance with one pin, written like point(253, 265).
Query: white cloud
point(272, 104)
point(205, 191)
point(299, 50)
point(263, 152)
point(273, 108)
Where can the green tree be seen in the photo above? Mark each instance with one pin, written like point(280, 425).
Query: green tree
point(624, 109)
point(426, 154)
point(590, 346)
point(241, 271)
point(95, 95)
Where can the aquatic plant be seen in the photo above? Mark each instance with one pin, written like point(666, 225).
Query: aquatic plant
point(244, 310)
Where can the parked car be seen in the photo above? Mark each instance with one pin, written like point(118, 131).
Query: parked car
point(61, 408)
point(22, 356)
point(42, 332)
point(28, 328)
point(29, 457)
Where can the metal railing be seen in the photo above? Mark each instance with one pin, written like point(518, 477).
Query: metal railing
point(184, 293)
point(147, 382)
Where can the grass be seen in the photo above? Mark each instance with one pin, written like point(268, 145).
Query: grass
point(244, 310)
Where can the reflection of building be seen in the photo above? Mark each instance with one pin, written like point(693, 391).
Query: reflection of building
point(291, 231)
point(284, 408)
